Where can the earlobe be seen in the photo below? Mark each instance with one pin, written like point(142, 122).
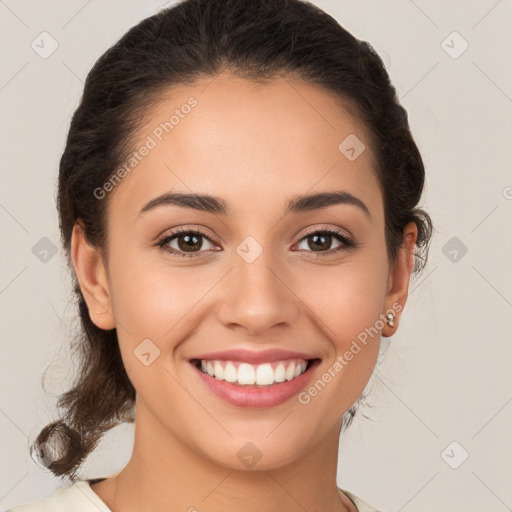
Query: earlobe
point(399, 278)
point(91, 274)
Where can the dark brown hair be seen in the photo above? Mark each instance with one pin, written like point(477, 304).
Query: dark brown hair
point(254, 39)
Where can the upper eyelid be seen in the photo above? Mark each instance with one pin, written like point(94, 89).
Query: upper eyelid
point(338, 231)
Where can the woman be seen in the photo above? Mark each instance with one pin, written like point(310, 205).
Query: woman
point(238, 200)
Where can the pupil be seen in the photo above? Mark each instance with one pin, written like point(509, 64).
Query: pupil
point(324, 237)
point(194, 239)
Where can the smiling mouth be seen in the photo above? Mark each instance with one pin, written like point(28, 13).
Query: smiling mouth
point(254, 375)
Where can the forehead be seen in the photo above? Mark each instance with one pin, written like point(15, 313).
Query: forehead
point(251, 143)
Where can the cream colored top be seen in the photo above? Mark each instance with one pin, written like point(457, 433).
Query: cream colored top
point(80, 497)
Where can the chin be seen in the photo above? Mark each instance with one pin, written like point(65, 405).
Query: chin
point(256, 453)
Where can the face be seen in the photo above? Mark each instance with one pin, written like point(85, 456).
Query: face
point(254, 269)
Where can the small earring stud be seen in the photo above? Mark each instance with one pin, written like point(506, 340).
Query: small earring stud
point(390, 319)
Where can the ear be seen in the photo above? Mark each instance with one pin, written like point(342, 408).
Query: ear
point(399, 277)
point(92, 278)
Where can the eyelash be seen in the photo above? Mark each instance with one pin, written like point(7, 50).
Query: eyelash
point(348, 242)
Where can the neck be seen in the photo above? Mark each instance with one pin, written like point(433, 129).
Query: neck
point(164, 474)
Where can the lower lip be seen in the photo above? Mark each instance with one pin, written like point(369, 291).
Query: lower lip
point(252, 396)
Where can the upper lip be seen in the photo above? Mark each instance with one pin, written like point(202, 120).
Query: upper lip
point(254, 357)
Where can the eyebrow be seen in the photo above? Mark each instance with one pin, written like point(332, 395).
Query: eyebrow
point(211, 204)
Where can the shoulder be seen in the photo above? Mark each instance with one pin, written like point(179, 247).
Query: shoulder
point(361, 505)
point(79, 497)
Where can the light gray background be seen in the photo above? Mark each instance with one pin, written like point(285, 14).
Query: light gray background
point(446, 376)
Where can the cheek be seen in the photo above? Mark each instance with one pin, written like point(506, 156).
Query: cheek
point(151, 305)
point(347, 305)
point(347, 298)
point(157, 301)
point(150, 300)
point(341, 301)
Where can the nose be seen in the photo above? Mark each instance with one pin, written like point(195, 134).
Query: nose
point(257, 297)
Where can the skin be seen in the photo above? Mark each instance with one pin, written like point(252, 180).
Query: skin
point(256, 146)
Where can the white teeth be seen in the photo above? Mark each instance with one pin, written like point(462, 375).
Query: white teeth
point(219, 371)
point(246, 374)
point(230, 373)
point(264, 375)
point(279, 373)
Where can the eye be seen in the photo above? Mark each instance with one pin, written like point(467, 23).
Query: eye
point(187, 242)
point(322, 239)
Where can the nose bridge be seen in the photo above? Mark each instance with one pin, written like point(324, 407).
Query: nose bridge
point(257, 297)
point(252, 270)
